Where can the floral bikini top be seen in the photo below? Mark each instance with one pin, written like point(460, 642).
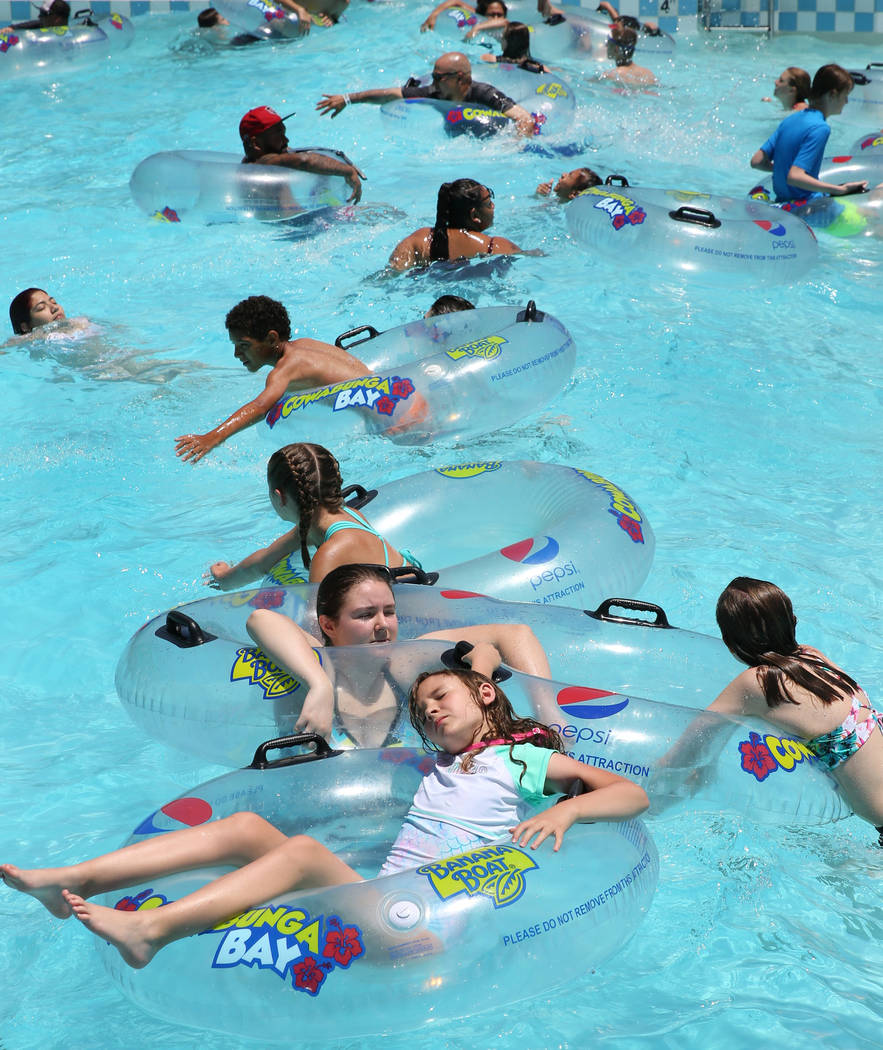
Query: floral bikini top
point(834, 748)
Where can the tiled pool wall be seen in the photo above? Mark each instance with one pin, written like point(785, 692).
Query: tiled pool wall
point(789, 16)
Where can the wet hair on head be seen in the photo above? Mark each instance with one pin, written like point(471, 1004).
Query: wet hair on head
point(625, 38)
point(449, 304)
point(630, 21)
point(20, 310)
point(335, 587)
point(456, 202)
point(757, 623)
point(516, 41)
point(481, 6)
point(257, 316)
point(501, 722)
point(586, 178)
point(207, 18)
point(309, 476)
point(830, 78)
point(798, 79)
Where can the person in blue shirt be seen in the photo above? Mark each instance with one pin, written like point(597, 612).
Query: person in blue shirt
point(793, 153)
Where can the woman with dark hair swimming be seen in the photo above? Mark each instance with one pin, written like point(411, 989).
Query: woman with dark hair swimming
point(465, 209)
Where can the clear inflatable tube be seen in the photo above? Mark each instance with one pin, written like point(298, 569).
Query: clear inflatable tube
point(867, 92)
point(262, 18)
point(546, 96)
point(426, 946)
point(584, 36)
point(870, 145)
point(520, 530)
point(32, 51)
point(446, 378)
point(218, 700)
point(694, 234)
point(849, 216)
point(181, 185)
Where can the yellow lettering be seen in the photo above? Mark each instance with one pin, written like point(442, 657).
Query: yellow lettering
point(785, 760)
point(309, 936)
point(291, 922)
point(269, 918)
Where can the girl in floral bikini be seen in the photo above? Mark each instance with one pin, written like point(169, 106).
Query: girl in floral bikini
point(798, 689)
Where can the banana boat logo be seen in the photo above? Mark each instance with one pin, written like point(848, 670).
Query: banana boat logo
point(621, 210)
point(621, 507)
point(496, 872)
point(489, 347)
point(378, 393)
point(468, 470)
point(256, 668)
point(116, 21)
point(764, 755)
point(552, 90)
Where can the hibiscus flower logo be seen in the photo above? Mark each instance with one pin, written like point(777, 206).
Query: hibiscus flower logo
point(342, 943)
point(756, 757)
point(309, 974)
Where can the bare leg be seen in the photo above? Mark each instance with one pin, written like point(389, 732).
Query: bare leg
point(296, 863)
point(238, 839)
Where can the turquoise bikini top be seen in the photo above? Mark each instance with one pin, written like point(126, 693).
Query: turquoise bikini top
point(363, 526)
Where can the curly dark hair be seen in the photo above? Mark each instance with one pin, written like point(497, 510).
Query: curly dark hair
point(258, 315)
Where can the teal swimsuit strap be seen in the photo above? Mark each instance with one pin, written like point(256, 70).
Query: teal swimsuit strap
point(362, 526)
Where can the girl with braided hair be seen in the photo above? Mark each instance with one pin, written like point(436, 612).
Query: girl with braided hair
point(464, 210)
point(305, 489)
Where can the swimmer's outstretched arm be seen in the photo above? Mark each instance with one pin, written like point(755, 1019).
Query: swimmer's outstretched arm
point(523, 120)
point(804, 181)
point(499, 22)
point(224, 577)
point(302, 13)
point(516, 644)
point(290, 647)
point(319, 164)
point(192, 447)
point(334, 104)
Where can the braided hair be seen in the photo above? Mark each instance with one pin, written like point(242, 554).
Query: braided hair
point(309, 475)
point(456, 202)
point(757, 624)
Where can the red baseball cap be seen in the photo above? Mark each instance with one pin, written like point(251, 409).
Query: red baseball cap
point(259, 120)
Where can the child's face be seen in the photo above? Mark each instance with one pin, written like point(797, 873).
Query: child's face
point(367, 615)
point(44, 310)
point(451, 716)
point(254, 353)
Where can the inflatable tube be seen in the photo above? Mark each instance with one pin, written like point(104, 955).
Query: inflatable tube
point(586, 37)
point(693, 234)
point(639, 652)
point(856, 214)
point(445, 378)
point(867, 93)
point(217, 187)
point(585, 537)
point(32, 51)
point(263, 18)
point(548, 99)
point(870, 145)
point(426, 946)
point(218, 701)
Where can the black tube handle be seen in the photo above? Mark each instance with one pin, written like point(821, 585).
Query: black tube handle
point(603, 612)
point(323, 750)
point(859, 78)
point(529, 313)
point(577, 787)
point(698, 216)
point(362, 495)
point(369, 328)
point(874, 65)
point(453, 658)
point(411, 574)
point(182, 630)
point(616, 180)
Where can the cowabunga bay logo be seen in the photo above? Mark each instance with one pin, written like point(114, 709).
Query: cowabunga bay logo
point(255, 667)
point(621, 507)
point(496, 872)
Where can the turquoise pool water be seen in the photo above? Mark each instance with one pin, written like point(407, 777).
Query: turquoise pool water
point(746, 424)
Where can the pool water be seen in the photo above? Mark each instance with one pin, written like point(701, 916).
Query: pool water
point(746, 423)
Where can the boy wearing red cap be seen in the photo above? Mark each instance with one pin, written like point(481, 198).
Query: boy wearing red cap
point(262, 131)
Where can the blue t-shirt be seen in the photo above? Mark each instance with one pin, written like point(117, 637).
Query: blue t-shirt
point(800, 139)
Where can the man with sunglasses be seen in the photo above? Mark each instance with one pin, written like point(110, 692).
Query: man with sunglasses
point(451, 82)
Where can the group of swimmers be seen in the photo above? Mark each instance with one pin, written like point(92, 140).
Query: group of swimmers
point(461, 714)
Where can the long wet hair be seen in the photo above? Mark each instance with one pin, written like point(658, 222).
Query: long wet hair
point(456, 202)
point(501, 722)
point(516, 41)
point(309, 475)
point(757, 624)
point(20, 310)
point(335, 587)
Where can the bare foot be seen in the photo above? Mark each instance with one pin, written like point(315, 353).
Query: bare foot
point(43, 883)
point(125, 930)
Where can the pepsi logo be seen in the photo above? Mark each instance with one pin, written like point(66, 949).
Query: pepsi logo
point(578, 701)
point(532, 551)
